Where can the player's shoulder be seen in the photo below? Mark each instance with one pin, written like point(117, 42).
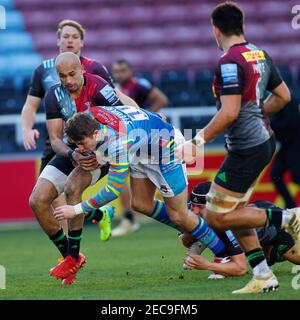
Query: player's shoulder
point(145, 83)
point(91, 64)
point(56, 92)
point(94, 78)
point(48, 64)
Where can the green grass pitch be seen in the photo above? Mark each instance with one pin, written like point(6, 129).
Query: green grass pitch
point(144, 265)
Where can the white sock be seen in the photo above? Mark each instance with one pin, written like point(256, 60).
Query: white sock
point(262, 269)
point(286, 217)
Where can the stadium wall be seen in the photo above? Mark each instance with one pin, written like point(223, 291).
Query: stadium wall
point(18, 179)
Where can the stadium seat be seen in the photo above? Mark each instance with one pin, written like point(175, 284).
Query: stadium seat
point(15, 42)
point(24, 64)
point(7, 88)
point(14, 20)
point(174, 81)
point(188, 98)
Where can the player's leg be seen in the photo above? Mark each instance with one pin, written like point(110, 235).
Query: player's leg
point(48, 155)
point(45, 191)
point(177, 209)
point(142, 197)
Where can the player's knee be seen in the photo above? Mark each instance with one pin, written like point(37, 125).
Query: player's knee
point(39, 199)
point(72, 189)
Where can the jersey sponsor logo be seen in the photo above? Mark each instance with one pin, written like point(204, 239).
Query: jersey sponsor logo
point(108, 118)
point(229, 73)
point(109, 94)
point(256, 55)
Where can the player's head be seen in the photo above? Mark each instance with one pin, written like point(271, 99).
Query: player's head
point(197, 198)
point(227, 20)
point(70, 36)
point(70, 71)
point(84, 131)
point(122, 71)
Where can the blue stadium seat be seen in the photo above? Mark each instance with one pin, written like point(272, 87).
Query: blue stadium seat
point(174, 81)
point(203, 84)
point(188, 98)
point(24, 64)
point(14, 20)
point(7, 4)
point(7, 88)
point(15, 41)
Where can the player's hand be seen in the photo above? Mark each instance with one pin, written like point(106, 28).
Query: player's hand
point(29, 137)
point(64, 212)
point(195, 261)
point(186, 239)
point(186, 152)
point(87, 162)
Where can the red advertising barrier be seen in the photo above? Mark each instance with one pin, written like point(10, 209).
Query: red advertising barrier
point(18, 179)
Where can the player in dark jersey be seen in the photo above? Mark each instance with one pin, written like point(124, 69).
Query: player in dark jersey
point(146, 96)
point(277, 244)
point(77, 92)
point(242, 77)
point(70, 37)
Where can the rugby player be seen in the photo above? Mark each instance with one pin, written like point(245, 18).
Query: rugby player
point(242, 77)
point(146, 96)
point(139, 141)
point(77, 91)
point(70, 38)
point(277, 244)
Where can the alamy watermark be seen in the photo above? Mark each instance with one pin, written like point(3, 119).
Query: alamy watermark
point(2, 17)
point(296, 18)
point(2, 277)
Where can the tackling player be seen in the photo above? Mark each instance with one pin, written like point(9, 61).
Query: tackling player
point(242, 77)
point(77, 92)
point(70, 38)
point(139, 141)
point(277, 244)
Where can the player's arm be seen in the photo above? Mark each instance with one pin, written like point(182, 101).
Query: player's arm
point(32, 103)
point(230, 108)
point(55, 129)
point(118, 172)
point(158, 99)
point(127, 101)
point(236, 267)
point(278, 98)
point(280, 94)
point(27, 117)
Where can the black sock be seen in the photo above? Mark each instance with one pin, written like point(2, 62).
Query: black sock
point(255, 257)
point(274, 217)
point(61, 241)
point(94, 215)
point(129, 215)
point(74, 242)
point(222, 254)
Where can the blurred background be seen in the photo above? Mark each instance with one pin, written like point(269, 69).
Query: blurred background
point(167, 42)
